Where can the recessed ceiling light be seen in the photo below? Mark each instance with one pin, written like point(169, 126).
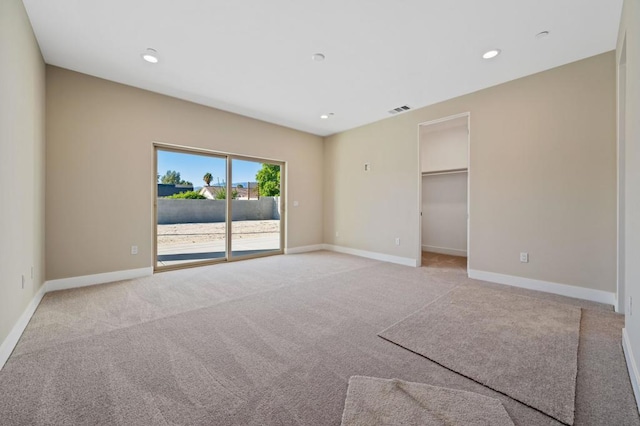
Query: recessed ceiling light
point(150, 55)
point(318, 57)
point(542, 34)
point(491, 53)
point(326, 116)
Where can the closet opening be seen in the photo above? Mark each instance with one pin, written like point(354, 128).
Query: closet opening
point(444, 192)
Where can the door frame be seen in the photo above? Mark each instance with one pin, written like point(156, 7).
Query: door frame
point(229, 157)
point(620, 304)
point(429, 123)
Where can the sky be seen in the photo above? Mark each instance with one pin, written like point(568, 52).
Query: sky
point(192, 167)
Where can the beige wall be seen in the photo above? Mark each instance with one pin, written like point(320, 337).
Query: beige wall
point(22, 75)
point(100, 169)
point(543, 177)
point(630, 27)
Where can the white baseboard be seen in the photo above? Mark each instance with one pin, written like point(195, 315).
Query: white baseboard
point(546, 286)
point(7, 346)
point(444, 250)
point(372, 255)
point(631, 365)
point(303, 249)
point(87, 280)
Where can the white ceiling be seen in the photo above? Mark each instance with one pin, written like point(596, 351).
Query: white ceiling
point(253, 57)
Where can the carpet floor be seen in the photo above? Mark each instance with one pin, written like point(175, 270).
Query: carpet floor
point(524, 347)
point(379, 402)
point(270, 341)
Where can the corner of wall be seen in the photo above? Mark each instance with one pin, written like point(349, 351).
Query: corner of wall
point(22, 152)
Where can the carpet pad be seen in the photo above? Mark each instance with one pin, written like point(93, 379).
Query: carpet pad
point(523, 347)
point(371, 401)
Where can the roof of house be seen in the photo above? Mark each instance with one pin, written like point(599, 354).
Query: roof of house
point(210, 191)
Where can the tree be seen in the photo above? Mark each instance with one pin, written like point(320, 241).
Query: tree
point(207, 178)
point(173, 178)
point(239, 185)
point(268, 178)
point(187, 195)
point(221, 194)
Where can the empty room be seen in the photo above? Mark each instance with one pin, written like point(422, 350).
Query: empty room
point(339, 213)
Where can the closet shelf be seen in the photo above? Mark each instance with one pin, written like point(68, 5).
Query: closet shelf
point(444, 172)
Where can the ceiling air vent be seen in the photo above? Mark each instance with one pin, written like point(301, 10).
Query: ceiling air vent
point(402, 108)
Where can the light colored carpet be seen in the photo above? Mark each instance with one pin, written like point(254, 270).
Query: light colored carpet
point(523, 347)
point(375, 402)
point(270, 341)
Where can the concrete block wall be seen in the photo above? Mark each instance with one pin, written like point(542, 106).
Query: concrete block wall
point(172, 211)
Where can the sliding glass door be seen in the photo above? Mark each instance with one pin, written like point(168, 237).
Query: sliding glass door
point(256, 209)
point(211, 207)
point(191, 217)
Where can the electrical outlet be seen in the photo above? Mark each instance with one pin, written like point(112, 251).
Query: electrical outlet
point(524, 257)
point(134, 249)
point(337, 234)
point(397, 241)
point(296, 204)
point(367, 167)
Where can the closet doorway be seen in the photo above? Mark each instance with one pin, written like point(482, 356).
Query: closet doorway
point(444, 192)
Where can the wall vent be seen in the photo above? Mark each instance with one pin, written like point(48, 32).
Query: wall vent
point(402, 108)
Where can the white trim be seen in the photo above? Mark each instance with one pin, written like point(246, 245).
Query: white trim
point(444, 250)
point(546, 286)
point(10, 342)
point(303, 249)
point(621, 120)
point(372, 255)
point(631, 365)
point(443, 119)
point(87, 280)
